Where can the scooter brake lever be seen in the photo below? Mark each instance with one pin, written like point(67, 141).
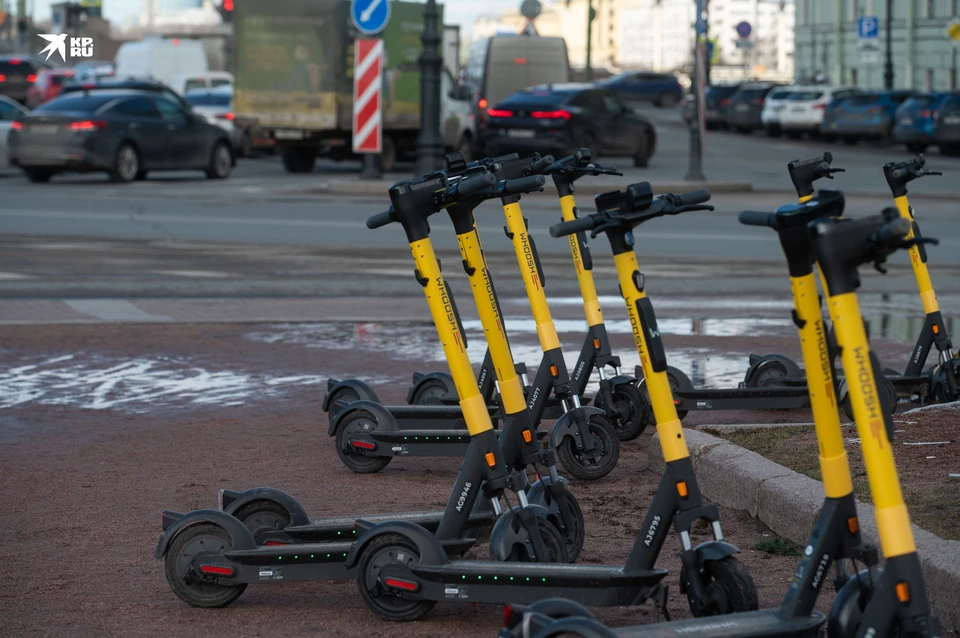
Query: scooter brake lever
point(878, 266)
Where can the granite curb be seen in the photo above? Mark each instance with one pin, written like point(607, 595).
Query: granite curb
point(787, 502)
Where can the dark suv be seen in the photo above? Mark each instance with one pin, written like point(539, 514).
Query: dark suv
point(746, 105)
point(662, 89)
point(17, 73)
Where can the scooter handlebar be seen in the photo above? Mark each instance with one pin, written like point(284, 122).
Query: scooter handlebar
point(380, 219)
point(892, 235)
point(692, 198)
point(524, 184)
point(541, 164)
point(756, 218)
point(475, 184)
point(575, 226)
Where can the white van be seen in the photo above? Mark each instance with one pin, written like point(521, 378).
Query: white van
point(162, 59)
point(194, 81)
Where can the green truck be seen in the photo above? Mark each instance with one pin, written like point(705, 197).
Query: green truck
point(294, 80)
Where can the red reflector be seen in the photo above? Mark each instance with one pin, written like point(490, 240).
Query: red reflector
point(406, 585)
point(519, 60)
point(3, 78)
point(551, 115)
point(219, 571)
point(509, 618)
point(68, 74)
point(89, 86)
point(274, 543)
point(364, 445)
point(225, 116)
point(88, 125)
point(499, 113)
point(32, 78)
point(16, 126)
point(14, 60)
point(819, 107)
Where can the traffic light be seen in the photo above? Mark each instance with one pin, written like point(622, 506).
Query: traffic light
point(226, 10)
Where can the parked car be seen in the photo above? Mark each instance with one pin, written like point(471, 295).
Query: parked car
point(662, 89)
point(47, 86)
point(502, 64)
point(93, 70)
point(773, 106)
point(867, 116)
point(946, 132)
point(208, 80)
point(803, 112)
point(10, 112)
point(716, 99)
point(216, 106)
point(746, 106)
point(916, 119)
point(559, 118)
point(125, 133)
point(17, 73)
point(112, 84)
point(828, 124)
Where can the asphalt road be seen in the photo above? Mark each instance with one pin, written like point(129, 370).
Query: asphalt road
point(261, 205)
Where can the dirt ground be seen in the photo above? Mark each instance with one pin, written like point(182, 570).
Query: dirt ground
point(925, 448)
point(86, 485)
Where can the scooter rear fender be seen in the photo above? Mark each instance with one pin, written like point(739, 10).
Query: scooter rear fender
point(385, 420)
point(232, 502)
point(364, 391)
point(431, 551)
point(240, 536)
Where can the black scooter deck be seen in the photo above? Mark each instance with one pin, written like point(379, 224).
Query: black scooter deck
point(753, 624)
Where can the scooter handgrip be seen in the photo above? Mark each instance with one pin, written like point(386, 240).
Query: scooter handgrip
point(524, 184)
point(892, 234)
point(471, 185)
point(698, 196)
point(756, 218)
point(575, 226)
point(541, 164)
point(380, 219)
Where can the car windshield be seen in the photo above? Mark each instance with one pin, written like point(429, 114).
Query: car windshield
point(805, 96)
point(919, 101)
point(862, 100)
point(208, 99)
point(779, 95)
point(81, 103)
point(721, 91)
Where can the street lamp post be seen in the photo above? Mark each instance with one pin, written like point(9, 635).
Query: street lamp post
point(591, 14)
point(695, 169)
point(888, 65)
point(429, 142)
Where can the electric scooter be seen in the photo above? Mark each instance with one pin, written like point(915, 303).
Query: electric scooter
point(628, 410)
point(212, 556)
point(401, 574)
point(873, 602)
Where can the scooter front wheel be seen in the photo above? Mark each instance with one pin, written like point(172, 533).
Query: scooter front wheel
point(262, 517)
point(730, 588)
point(192, 588)
point(595, 464)
point(358, 423)
point(432, 392)
point(553, 542)
point(389, 604)
point(634, 409)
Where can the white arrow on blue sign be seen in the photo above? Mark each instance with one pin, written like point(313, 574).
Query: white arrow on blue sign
point(868, 27)
point(370, 16)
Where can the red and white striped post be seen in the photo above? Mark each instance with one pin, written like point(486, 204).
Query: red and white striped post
point(368, 103)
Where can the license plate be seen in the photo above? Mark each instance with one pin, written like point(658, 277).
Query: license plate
point(952, 119)
point(281, 134)
point(44, 129)
point(906, 121)
point(520, 132)
point(798, 109)
point(743, 107)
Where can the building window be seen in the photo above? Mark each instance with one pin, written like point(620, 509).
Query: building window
point(930, 8)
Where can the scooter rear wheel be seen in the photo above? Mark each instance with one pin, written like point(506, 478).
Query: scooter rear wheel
point(730, 587)
point(263, 516)
point(883, 382)
point(388, 604)
point(190, 587)
point(343, 394)
point(596, 465)
point(360, 463)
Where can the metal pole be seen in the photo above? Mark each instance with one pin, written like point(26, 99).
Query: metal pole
point(695, 169)
point(953, 68)
point(588, 72)
point(888, 65)
point(706, 61)
point(429, 142)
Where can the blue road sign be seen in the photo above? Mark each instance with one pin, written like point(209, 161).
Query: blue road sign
point(370, 16)
point(868, 27)
point(744, 29)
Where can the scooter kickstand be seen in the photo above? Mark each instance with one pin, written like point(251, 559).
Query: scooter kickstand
point(659, 600)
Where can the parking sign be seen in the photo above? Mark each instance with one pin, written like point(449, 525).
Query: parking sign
point(868, 27)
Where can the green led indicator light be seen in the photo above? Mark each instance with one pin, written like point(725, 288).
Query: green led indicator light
point(296, 558)
point(311, 555)
point(479, 577)
point(464, 576)
point(328, 555)
point(528, 579)
point(338, 533)
point(279, 557)
point(544, 580)
point(344, 555)
point(404, 438)
point(495, 578)
point(511, 578)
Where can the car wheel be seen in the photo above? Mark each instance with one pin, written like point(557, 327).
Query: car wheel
point(590, 142)
point(712, 126)
point(38, 175)
point(666, 100)
point(641, 158)
point(794, 135)
point(221, 161)
point(849, 140)
point(744, 130)
point(916, 147)
point(126, 164)
point(773, 131)
point(829, 137)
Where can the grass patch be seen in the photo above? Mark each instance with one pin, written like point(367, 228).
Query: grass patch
point(776, 547)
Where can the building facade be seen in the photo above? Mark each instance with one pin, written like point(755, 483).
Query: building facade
point(924, 58)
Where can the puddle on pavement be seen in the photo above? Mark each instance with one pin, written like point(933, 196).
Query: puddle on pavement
point(136, 385)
